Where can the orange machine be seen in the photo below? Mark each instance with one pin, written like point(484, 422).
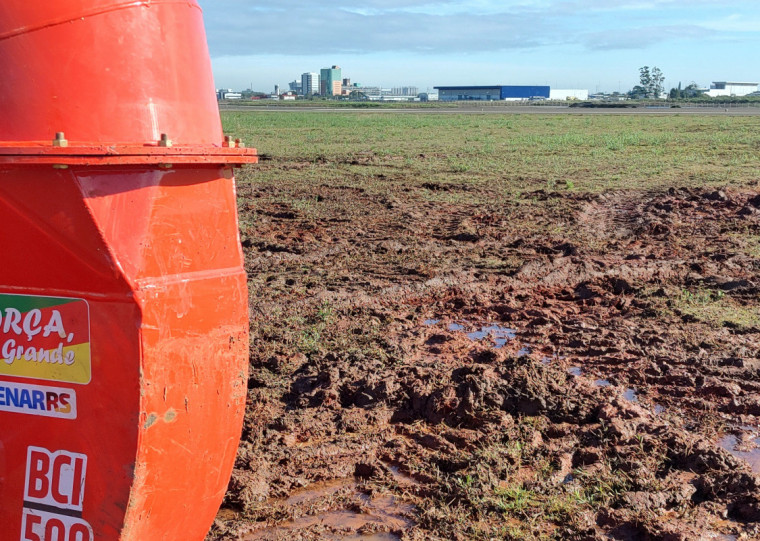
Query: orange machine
point(123, 301)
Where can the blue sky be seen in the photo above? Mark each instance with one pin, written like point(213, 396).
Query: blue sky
point(593, 44)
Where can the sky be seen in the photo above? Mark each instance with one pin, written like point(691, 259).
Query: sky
point(597, 45)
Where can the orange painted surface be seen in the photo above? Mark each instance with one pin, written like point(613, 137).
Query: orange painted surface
point(106, 71)
point(123, 301)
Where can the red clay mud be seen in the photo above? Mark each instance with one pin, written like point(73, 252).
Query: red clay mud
point(557, 366)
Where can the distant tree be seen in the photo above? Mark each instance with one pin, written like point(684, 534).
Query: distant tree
point(645, 80)
point(657, 80)
point(638, 92)
point(691, 91)
point(651, 81)
point(248, 94)
point(676, 93)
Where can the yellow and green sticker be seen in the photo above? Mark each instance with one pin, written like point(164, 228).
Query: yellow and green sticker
point(46, 338)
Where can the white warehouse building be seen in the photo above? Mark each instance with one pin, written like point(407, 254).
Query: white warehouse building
point(728, 88)
point(568, 94)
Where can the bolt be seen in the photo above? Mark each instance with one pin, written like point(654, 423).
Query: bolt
point(165, 165)
point(60, 140)
point(239, 143)
point(228, 141)
point(60, 166)
point(165, 141)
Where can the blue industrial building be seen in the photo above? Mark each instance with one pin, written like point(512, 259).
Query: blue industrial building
point(491, 93)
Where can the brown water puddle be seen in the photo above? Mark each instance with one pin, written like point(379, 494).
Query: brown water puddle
point(359, 518)
point(383, 513)
point(319, 490)
point(746, 449)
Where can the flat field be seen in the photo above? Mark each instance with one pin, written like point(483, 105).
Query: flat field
point(499, 327)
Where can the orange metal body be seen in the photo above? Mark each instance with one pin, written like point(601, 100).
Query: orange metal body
point(123, 301)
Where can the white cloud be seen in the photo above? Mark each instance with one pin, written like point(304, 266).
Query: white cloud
point(344, 26)
point(735, 23)
point(643, 37)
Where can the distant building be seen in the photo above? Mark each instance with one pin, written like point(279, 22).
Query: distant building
point(411, 91)
point(376, 93)
point(569, 94)
point(310, 84)
point(228, 94)
point(728, 88)
point(288, 96)
point(330, 83)
point(296, 87)
point(427, 96)
point(491, 93)
point(372, 91)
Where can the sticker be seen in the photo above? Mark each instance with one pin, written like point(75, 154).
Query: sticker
point(55, 480)
point(42, 526)
point(36, 400)
point(45, 338)
point(54, 496)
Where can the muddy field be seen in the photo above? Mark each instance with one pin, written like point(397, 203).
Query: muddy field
point(497, 352)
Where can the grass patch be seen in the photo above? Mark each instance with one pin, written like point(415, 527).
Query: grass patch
point(717, 308)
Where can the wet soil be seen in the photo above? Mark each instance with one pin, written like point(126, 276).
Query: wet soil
point(556, 365)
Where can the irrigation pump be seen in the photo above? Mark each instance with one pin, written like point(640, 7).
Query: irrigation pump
point(123, 301)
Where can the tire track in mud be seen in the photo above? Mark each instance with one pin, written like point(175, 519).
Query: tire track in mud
point(613, 215)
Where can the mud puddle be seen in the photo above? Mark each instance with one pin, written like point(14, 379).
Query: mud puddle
point(631, 395)
point(320, 490)
point(403, 479)
point(371, 519)
point(500, 335)
point(745, 447)
point(338, 510)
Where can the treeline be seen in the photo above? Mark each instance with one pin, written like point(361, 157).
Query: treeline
point(716, 100)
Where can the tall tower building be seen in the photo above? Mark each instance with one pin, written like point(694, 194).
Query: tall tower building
point(309, 84)
point(330, 81)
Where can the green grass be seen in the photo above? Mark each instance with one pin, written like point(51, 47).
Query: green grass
point(716, 308)
point(507, 154)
